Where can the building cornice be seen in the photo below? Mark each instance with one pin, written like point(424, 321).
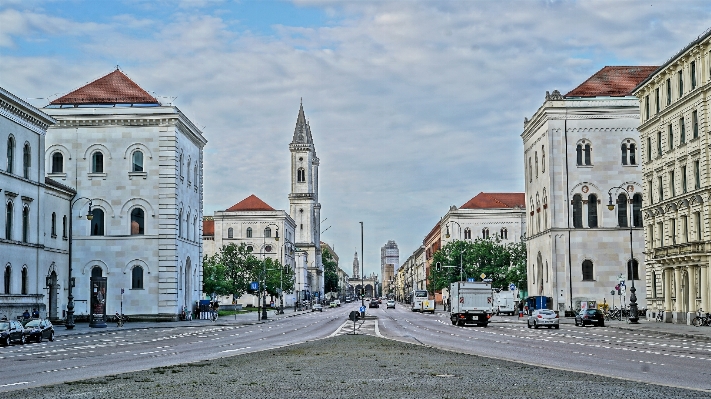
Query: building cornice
point(24, 114)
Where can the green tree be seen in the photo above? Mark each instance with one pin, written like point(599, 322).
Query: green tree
point(330, 271)
point(230, 271)
point(502, 263)
point(278, 276)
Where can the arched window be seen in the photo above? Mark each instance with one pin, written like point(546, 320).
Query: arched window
point(57, 162)
point(624, 154)
point(267, 232)
point(622, 210)
point(633, 154)
point(637, 210)
point(137, 222)
point(485, 233)
point(504, 233)
point(8, 274)
point(97, 222)
point(588, 154)
point(230, 233)
point(25, 224)
point(467, 233)
point(8, 221)
point(137, 161)
point(301, 175)
point(592, 210)
point(543, 159)
point(249, 232)
point(97, 162)
point(579, 155)
point(23, 289)
point(96, 272)
point(26, 161)
point(137, 278)
point(10, 154)
point(577, 211)
point(54, 224)
point(632, 270)
point(588, 270)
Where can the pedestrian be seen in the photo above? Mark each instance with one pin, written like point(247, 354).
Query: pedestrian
point(525, 310)
point(26, 315)
point(35, 313)
point(520, 310)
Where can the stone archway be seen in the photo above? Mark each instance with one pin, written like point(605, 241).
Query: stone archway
point(369, 290)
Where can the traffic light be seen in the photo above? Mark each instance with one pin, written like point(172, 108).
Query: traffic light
point(438, 266)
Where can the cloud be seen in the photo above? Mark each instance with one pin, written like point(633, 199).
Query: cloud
point(414, 106)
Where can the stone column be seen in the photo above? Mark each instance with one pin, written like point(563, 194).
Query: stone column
point(667, 294)
point(679, 297)
point(692, 293)
point(704, 283)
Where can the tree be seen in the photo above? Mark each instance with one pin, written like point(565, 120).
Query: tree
point(502, 263)
point(278, 277)
point(330, 271)
point(230, 271)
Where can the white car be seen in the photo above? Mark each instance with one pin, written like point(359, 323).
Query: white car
point(543, 318)
point(317, 307)
point(391, 304)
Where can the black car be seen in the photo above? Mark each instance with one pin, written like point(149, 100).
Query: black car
point(590, 316)
point(39, 329)
point(12, 331)
point(373, 304)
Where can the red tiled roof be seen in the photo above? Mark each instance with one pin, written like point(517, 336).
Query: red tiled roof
point(612, 81)
point(251, 203)
point(496, 201)
point(114, 88)
point(208, 227)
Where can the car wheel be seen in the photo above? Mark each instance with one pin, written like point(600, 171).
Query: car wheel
point(576, 322)
point(7, 342)
point(557, 327)
point(528, 324)
point(51, 336)
point(39, 338)
point(601, 324)
point(23, 340)
point(535, 325)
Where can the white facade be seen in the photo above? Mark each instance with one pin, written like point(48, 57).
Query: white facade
point(677, 176)
point(304, 207)
point(148, 241)
point(33, 241)
point(576, 247)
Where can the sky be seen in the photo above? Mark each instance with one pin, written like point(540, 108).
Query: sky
point(414, 106)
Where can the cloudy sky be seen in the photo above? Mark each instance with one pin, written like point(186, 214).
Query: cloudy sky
point(414, 106)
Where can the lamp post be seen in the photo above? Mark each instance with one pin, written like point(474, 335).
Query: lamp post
point(264, 270)
point(70, 298)
point(634, 316)
point(362, 272)
point(461, 250)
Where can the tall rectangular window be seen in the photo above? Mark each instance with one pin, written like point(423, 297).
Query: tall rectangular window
point(683, 179)
point(660, 231)
point(649, 189)
point(659, 144)
point(649, 149)
point(693, 75)
point(672, 184)
point(669, 91)
point(699, 227)
point(670, 137)
point(695, 124)
point(656, 100)
point(660, 188)
point(682, 131)
point(646, 107)
point(697, 176)
point(681, 84)
point(685, 228)
point(673, 230)
point(651, 235)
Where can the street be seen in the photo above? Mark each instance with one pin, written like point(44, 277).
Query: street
point(647, 357)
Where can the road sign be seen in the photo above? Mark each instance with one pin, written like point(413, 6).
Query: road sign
point(470, 279)
point(362, 309)
point(254, 286)
point(512, 287)
point(483, 276)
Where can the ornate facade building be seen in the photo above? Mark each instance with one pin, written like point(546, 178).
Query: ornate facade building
point(34, 250)
point(137, 166)
point(580, 150)
point(674, 133)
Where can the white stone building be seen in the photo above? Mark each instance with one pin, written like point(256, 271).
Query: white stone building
point(304, 207)
point(268, 232)
point(577, 148)
point(33, 243)
point(674, 134)
point(139, 165)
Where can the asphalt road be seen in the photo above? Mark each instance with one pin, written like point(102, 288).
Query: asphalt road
point(646, 357)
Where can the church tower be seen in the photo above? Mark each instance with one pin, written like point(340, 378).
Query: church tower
point(303, 200)
point(356, 266)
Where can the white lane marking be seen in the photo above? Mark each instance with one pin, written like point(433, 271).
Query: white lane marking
point(14, 383)
point(377, 330)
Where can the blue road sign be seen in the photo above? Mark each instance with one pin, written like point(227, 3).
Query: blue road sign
point(254, 286)
point(512, 287)
point(470, 279)
point(362, 309)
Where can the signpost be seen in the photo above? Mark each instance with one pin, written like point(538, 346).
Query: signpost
point(512, 287)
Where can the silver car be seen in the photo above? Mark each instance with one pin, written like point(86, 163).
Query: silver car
point(543, 317)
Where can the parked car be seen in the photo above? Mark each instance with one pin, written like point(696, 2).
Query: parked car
point(12, 331)
point(317, 307)
point(39, 329)
point(590, 316)
point(543, 317)
point(335, 303)
point(373, 304)
point(391, 304)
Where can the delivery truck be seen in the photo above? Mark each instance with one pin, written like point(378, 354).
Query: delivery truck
point(472, 303)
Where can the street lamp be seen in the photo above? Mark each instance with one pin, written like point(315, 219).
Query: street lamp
point(461, 250)
point(70, 299)
point(634, 316)
point(264, 270)
point(362, 272)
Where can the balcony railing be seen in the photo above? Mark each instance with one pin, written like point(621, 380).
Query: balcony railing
point(689, 248)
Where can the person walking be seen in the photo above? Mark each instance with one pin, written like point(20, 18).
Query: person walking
point(520, 310)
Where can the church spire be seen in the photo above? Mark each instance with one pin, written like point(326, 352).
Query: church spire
point(356, 266)
point(302, 131)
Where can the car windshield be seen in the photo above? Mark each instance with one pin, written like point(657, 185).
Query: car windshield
point(592, 311)
point(421, 294)
point(4, 326)
point(546, 312)
point(32, 323)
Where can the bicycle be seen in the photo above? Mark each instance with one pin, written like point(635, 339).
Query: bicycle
point(701, 319)
point(120, 319)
